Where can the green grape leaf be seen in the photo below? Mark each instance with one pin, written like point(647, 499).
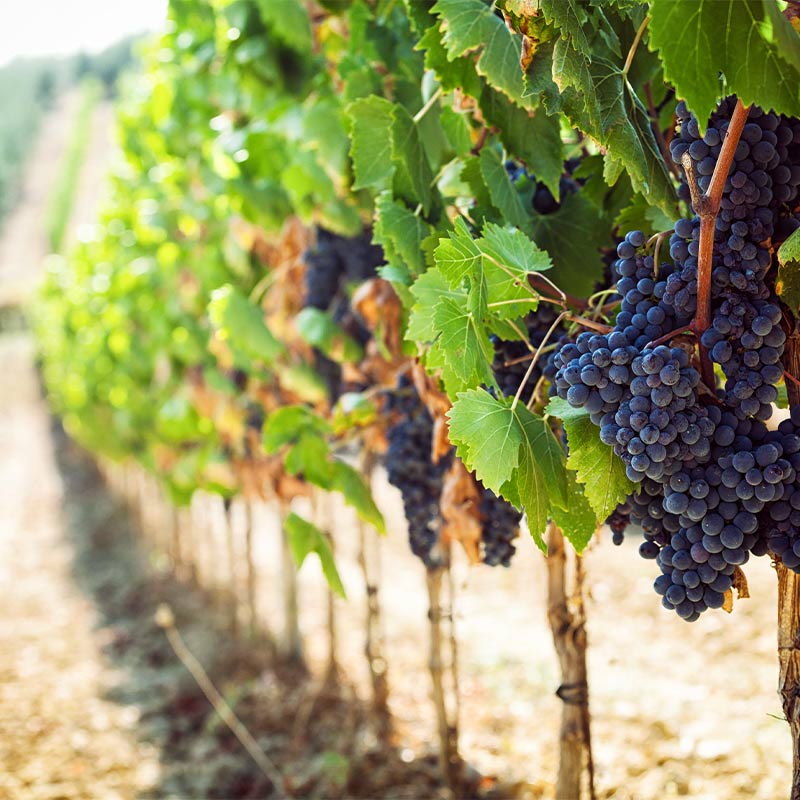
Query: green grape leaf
point(463, 344)
point(487, 436)
point(471, 25)
point(413, 176)
point(242, 324)
point(457, 256)
point(289, 22)
point(356, 494)
point(787, 284)
point(576, 519)
point(427, 291)
point(598, 467)
point(504, 196)
point(549, 455)
point(513, 453)
point(744, 41)
point(456, 130)
point(371, 121)
point(401, 232)
point(320, 331)
point(288, 423)
point(308, 457)
point(599, 98)
point(510, 257)
point(533, 139)
point(572, 235)
point(455, 73)
point(513, 249)
point(305, 538)
point(304, 381)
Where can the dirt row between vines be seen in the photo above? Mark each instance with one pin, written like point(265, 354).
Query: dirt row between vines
point(93, 703)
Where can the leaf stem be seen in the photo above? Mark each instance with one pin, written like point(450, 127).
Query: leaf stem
point(634, 46)
point(535, 358)
point(427, 107)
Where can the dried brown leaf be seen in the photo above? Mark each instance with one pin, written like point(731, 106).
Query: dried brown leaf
point(740, 583)
point(728, 604)
point(460, 504)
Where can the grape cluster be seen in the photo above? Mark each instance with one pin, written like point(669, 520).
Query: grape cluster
point(335, 260)
point(543, 201)
point(500, 529)
point(330, 264)
point(410, 468)
point(715, 485)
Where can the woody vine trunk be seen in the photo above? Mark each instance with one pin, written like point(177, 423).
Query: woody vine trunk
point(789, 602)
point(567, 617)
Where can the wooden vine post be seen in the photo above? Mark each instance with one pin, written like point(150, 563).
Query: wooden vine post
point(789, 601)
point(567, 618)
point(370, 563)
point(233, 573)
point(291, 644)
point(446, 717)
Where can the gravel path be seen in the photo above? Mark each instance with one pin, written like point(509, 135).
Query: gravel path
point(59, 736)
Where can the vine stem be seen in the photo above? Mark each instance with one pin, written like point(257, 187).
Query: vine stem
point(789, 599)
point(706, 206)
point(567, 617)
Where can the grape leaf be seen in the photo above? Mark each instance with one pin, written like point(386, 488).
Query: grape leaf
point(472, 24)
point(413, 176)
point(456, 130)
point(576, 519)
point(356, 494)
point(744, 40)
point(305, 538)
point(533, 139)
point(509, 258)
point(452, 73)
point(427, 291)
point(513, 249)
point(597, 466)
point(242, 324)
point(458, 255)
point(512, 452)
point(572, 236)
point(288, 423)
point(308, 457)
point(548, 454)
point(463, 346)
point(787, 284)
point(487, 436)
point(401, 232)
point(371, 121)
point(288, 21)
point(504, 195)
point(320, 331)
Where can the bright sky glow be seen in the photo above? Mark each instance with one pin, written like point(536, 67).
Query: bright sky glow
point(61, 27)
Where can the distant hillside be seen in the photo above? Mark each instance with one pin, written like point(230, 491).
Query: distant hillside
point(29, 87)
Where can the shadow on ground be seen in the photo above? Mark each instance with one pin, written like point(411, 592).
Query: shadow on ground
point(333, 752)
